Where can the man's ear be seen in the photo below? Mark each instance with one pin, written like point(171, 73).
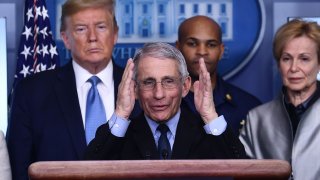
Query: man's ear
point(186, 86)
point(65, 39)
point(115, 36)
point(177, 44)
point(221, 51)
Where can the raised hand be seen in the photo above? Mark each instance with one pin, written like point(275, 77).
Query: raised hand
point(203, 95)
point(126, 94)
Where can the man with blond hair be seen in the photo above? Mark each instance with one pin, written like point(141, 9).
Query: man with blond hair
point(53, 116)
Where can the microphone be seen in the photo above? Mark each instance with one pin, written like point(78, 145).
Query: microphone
point(164, 154)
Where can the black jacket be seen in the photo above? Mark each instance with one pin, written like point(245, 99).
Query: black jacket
point(191, 142)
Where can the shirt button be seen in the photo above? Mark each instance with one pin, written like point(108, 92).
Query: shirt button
point(116, 125)
point(215, 130)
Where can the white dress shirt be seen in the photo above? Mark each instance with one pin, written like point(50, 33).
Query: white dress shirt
point(105, 88)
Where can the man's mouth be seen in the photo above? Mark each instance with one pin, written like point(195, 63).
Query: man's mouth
point(159, 107)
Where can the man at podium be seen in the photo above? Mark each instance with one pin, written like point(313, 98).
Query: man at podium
point(158, 77)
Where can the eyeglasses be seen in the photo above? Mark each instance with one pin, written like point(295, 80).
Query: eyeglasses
point(166, 83)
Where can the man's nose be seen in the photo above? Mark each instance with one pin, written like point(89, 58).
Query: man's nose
point(202, 49)
point(158, 91)
point(92, 35)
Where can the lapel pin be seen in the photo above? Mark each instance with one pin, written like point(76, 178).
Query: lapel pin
point(228, 97)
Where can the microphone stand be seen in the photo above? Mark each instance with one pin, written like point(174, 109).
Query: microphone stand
point(164, 154)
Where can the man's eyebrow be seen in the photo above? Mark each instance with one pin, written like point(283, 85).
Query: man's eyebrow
point(101, 22)
point(79, 24)
point(191, 38)
point(214, 41)
point(199, 40)
point(168, 77)
point(148, 78)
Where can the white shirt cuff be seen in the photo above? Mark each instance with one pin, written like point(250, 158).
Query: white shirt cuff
point(118, 126)
point(216, 127)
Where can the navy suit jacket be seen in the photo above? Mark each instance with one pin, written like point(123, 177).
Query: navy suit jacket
point(191, 142)
point(45, 119)
point(230, 101)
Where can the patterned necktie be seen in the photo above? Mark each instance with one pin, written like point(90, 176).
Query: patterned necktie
point(95, 112)
point(163, 142)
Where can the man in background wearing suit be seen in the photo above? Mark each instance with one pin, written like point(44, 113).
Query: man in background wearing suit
point(201, 37)
point(48, 115)
point(159, 79)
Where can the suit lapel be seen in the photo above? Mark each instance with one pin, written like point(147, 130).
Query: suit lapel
point(186, 135)
point(143, 137)
point(65, 88)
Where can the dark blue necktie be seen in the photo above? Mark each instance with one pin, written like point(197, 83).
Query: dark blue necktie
point(163, 142)
point(95, 112)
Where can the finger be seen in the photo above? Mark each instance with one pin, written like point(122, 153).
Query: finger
point(203, 69)
point(132, 91)
point(197, 96)
point(129, 75)
point(207, 84)
point(205, 75)
point(127, 68)
point(196, 88)
point(126, 77)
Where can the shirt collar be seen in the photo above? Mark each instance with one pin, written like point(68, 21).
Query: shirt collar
point(82, 75)
point(307, 103)
point(171, 123)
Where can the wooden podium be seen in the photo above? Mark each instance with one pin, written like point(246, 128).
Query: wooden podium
point(160, 169)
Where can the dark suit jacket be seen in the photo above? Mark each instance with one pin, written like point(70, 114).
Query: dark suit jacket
point(46, 122)
point(191, 142)
point(230, 101)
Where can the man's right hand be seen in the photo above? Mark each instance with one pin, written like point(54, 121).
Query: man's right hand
point(126, 95)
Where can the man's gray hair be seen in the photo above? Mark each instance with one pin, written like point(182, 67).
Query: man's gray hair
point(160, 50)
